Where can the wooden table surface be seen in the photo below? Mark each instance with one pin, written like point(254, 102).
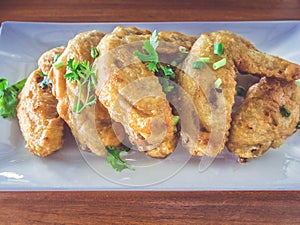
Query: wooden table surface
point(106, 207)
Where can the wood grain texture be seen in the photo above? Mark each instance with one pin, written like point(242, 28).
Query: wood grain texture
point(226, 207)
point(154, 10)
point(222, 207)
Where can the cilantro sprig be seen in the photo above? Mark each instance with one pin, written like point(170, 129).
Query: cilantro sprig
point(9, 97)
point(84, 74)
point(114, 159)
point(154, 65)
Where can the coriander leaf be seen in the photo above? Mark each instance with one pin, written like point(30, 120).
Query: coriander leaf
point(9, 97)
point(85, 76)
point(154, 40)
point(115, 160)
point(167, 71)
point(152, 66)
point(152, 55)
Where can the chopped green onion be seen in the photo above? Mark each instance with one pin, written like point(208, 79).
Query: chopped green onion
point(218, 83)
point(298, 125)
point(58, 64)
point(182, 49)
point(204, 59)
point(284, 111)
point(219, 64)
point(56, 57)
point(218, 48)
point(240, 91)
point(197, 65)
point(94, 52)
point(174, 63)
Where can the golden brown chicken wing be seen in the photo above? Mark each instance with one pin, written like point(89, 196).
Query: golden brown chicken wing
point(214, 105)
point(39, 121)
point(132, 93)
point(268, 115)
point(92, 127)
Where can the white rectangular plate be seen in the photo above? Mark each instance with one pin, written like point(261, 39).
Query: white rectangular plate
point(22, 43)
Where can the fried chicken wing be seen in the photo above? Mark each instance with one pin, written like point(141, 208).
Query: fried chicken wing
point(268, 115)
point(214, 108)
point(92, 128)
point(132, 93)
point(39, 121)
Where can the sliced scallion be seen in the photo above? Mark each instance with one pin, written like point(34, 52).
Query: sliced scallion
point(204, 59)
point(218, 48)
point(94, 52)
point(58, 64)
point(197, 65)
point(219, 64)
point(56, 57)
point(182, 49)
point(218, 83)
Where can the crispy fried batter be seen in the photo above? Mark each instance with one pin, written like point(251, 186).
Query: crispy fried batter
point(46, 60)
point(258, 124)
point(39, 121)
point(240, 55)
point(132, 93)
point(92, 128)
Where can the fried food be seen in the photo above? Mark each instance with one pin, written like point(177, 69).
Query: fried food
point(214, 108)
point(268, 115)
point(92, 128)
point(173, 46)
point(132, 93)
point(39, 121)
point(46, 60)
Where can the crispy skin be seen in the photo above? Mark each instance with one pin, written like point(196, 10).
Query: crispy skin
point(132, 93)
point(39, 121)
point(92, 128)
point(46, 60)
point(169, 44)
point(214, 109)
point(258, 125)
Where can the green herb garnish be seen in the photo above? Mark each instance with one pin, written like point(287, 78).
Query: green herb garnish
point(94, 52)
point(298, 124)
point(84, 75)
point(56, 57)
point(218, 83)
point(218, 48)
point(284, 111)
point(9, 97)
point(153, 62)
point(114, 159)
point(197, 65)
point(58, 64)
point(219, 64)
